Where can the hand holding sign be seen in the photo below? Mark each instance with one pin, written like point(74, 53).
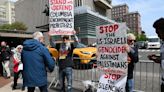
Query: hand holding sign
point(127, 48)
point(129, 59)
point(74, 32)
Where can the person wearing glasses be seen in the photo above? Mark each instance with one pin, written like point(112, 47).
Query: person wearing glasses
point(18, 66)
point(132, 51)
point(159, 28)
point(65, 61)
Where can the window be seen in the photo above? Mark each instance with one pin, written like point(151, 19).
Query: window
point(78, 3)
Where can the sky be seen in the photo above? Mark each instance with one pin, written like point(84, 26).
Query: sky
point(150, 10)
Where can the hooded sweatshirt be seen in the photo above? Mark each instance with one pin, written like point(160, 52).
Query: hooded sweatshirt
point(36, 59)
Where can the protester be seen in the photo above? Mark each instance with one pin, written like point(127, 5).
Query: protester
point(65, 61)
point(5, 58)
point(36, 62)
point(159, 27)
point(132, 59)
point(18, 66)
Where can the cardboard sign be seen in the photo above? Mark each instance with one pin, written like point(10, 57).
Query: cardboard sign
point(112, 56)
point(61, 17)
point(111, 48)
point(112, 83)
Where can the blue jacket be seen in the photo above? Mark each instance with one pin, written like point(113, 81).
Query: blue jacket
point(36, 60)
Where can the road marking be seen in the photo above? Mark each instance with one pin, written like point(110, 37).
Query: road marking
point(148, 50)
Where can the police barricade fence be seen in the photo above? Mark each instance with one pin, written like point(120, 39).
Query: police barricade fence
point(146, 76)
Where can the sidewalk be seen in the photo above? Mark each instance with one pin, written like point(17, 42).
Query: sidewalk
point(6, 86)
point(4, 81)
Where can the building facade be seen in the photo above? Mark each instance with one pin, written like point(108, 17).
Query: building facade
point(88, 15)
point(120, 13)
point(133, 20)
point(7, 12)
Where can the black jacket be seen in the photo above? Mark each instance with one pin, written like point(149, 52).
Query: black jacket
point(68, 61)
point(5, 53)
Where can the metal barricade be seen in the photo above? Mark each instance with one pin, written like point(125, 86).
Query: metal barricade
point(146, 76)
point(55, 80)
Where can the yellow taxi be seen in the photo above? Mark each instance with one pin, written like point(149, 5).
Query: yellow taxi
point(81, 54)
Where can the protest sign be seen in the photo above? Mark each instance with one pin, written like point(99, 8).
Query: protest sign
point(112, 83)
point(61, 17)
point(112, 56)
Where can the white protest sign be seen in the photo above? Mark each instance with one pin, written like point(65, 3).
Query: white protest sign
point(111, 49)
point(61, 17)
point(112, 83)
point(112, 54)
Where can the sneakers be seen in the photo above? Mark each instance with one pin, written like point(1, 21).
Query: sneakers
point(15, 87)
point(8, 77)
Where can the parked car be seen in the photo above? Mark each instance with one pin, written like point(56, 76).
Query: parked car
point(142, 44)
point(153, 42)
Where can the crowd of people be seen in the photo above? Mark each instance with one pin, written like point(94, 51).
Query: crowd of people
point(33, 60)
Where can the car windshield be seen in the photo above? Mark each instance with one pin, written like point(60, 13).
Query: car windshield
point(80, 45)
point(153, 39)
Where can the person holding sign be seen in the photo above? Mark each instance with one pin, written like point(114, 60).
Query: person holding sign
point(159, 26)
point(65, 62)
point(132, 59)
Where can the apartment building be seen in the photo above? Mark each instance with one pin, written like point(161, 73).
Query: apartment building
point(120, 13)
point(133, 20)
point(7, 12)
point(87, 13)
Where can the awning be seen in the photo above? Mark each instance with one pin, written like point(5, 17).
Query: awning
point(20, 35)
point(46, 26)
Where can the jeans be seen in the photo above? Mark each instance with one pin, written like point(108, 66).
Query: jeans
point(41, 88)
point(6, 67)
point(67, 72)
point(129, 85)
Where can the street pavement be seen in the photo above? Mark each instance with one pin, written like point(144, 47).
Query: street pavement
point(4, 81)
point(6, 86)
